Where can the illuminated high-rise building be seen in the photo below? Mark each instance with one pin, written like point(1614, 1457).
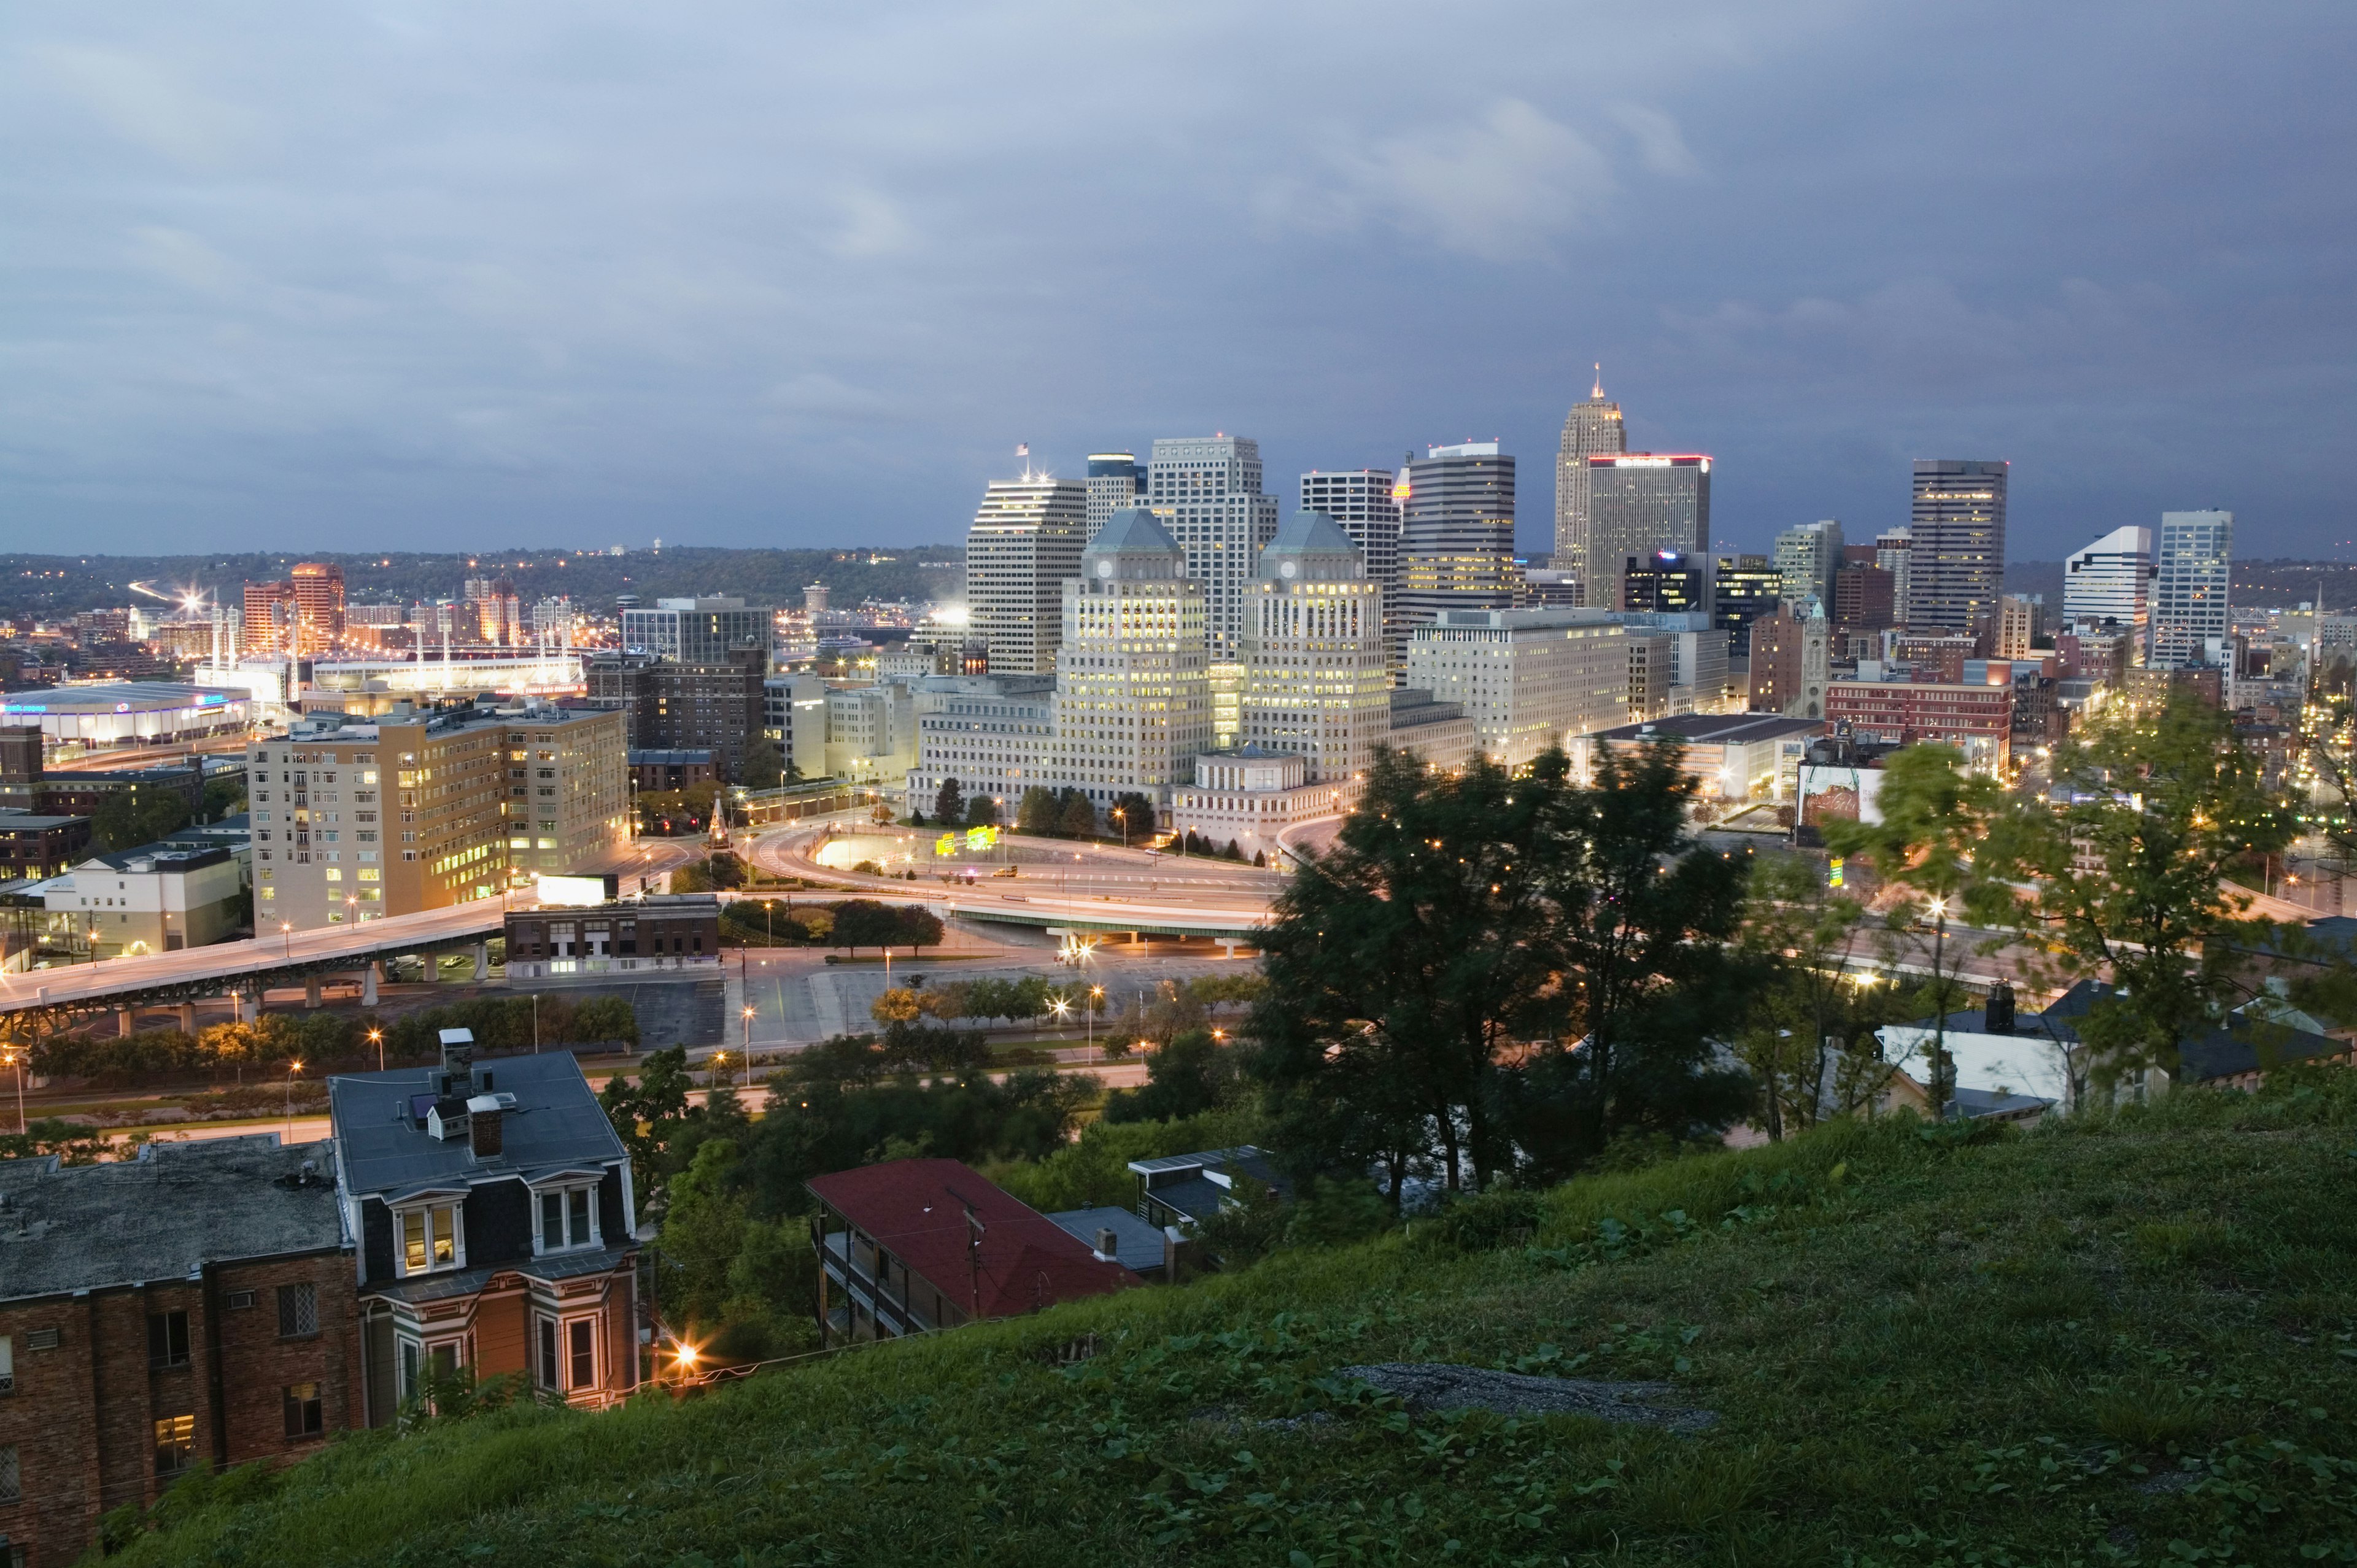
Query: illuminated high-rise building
point(1207, 491)
point(318, 607)
point(1317, 669)
point(1457, 534)
point(1807, 556)
point(2111, 580)
point(1591, 429)
point(1365, 504)
point(1024, 546)
point(1116, 480)
point(2193, 573)
point(1639, 502)
point(1133, 687)
point(1955, 568)
point(269, 623)
point(1894, 552)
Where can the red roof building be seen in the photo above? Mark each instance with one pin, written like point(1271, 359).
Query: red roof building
point(913, 1246)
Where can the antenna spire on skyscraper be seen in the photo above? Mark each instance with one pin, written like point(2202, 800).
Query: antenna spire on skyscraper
point(1598, 393)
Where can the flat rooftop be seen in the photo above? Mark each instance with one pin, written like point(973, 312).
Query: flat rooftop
point(1714, 729)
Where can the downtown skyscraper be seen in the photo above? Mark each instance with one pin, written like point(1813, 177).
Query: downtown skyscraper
point(1591, 429)
point(1365, 504)
point(1640, 502)
point(2110, 580)
point(1456, 533)
point(1955, 568)
point(2191, 578)
point(1205, 490)
point(1024, 544)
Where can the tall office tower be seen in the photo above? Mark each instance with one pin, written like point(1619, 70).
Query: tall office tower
point(1591, 429)
point(1366, 504)
point(270, 620)
point(2190, 587)
point(1317, 667)
point(1807, 556)
point(1456, 536)
point(1639, 502)
point(2110, 580)
point(1956, 544)
point(496, 612)
point(714, 630)
point(318, 607)
point(1024, 546)
point(2015, 624)
point(1745, 588)
point(1864, 599)
point(1894, 552)
point(1207, 490)
point(1133, 691)
point(1115, 483)
point(1667, 581)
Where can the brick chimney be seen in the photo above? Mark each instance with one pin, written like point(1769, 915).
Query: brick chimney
point(483, 1130)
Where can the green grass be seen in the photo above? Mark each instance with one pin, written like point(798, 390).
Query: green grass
point(2127, 1340)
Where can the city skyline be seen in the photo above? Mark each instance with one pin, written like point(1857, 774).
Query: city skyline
point(447, 285)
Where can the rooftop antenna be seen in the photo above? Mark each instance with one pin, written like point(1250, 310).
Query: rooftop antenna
point(1598, 393)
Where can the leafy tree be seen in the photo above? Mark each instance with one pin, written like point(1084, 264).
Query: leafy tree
point(981, 811)
point(895, 1006)
point(135, 816)
point(1038, 814)
point(2166, 804)
point(1809, 1039)
point(1193, 1074)
point(1137, 815)
point(918, 927)
point(1639, 923)
point(223, 796)
point(1402, 961)
point(1936, 814)
point(949, 803)
point(1080, 817)
point(762, 765)
point(646, 1112)
point(865, 923)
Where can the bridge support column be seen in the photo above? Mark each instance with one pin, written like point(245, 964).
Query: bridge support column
point(123, 1023)
point(311, 992)
point(368, 986)
point(1227, 946)
point(482, 960)
point(248, 1004)
point(188, 1017)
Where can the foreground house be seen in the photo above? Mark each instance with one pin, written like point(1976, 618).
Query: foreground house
point(2011, 1064)
point(190, 1307)
point(1182, 1191)
point(912, 1246)
point(496, 1225)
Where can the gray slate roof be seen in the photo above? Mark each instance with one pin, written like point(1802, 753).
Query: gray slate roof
point(554, 1125)
point(1138, 1245)
point(162, 1216)
point(1308, 534)
point(1133, 530)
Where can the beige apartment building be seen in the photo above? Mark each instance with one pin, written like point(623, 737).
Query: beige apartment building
point(420, 810)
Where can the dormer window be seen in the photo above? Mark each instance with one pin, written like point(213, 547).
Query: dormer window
point(431, 1239)
point(568, 1219)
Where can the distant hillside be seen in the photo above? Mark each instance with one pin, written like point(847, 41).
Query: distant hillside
point(44, 585)
point(2130, 1340)
point(2269, 585)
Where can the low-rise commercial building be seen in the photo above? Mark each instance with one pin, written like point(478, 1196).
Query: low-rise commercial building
point(1526, 678)
point(1249, 796)
point(1439, 734)
point(35, 845)
point(158, 897)
point(1730, 757)
point(674, 932)
point(1976, 720)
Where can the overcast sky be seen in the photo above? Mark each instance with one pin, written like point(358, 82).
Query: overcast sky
point(455, 275)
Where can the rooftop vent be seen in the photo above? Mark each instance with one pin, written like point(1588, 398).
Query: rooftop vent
point(457, 1051)
point(447, 1119)
point(1108, 1244)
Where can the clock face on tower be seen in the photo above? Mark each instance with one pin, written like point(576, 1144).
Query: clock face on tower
point(1104, 568)
point(1285, 568)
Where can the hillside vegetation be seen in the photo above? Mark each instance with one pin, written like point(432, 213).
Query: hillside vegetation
point(2118, 1340)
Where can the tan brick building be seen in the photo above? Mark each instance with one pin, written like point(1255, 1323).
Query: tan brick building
point(194, 1306)
point(423, 810)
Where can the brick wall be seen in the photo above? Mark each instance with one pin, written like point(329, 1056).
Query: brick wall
point(82, 1416)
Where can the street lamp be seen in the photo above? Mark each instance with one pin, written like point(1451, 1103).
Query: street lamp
point(376, 1039)
point(1122, 817)
point(293, 1068)
point(15, 1057)
point(748, 1047)
point(1940, 1024)
point(285, 929)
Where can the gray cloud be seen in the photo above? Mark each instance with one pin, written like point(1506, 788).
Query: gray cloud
point(725, 271)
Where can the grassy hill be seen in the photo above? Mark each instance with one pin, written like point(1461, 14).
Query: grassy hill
point(2128, 1339)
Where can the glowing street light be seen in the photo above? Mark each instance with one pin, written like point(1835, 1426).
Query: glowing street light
point(376, 1039)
